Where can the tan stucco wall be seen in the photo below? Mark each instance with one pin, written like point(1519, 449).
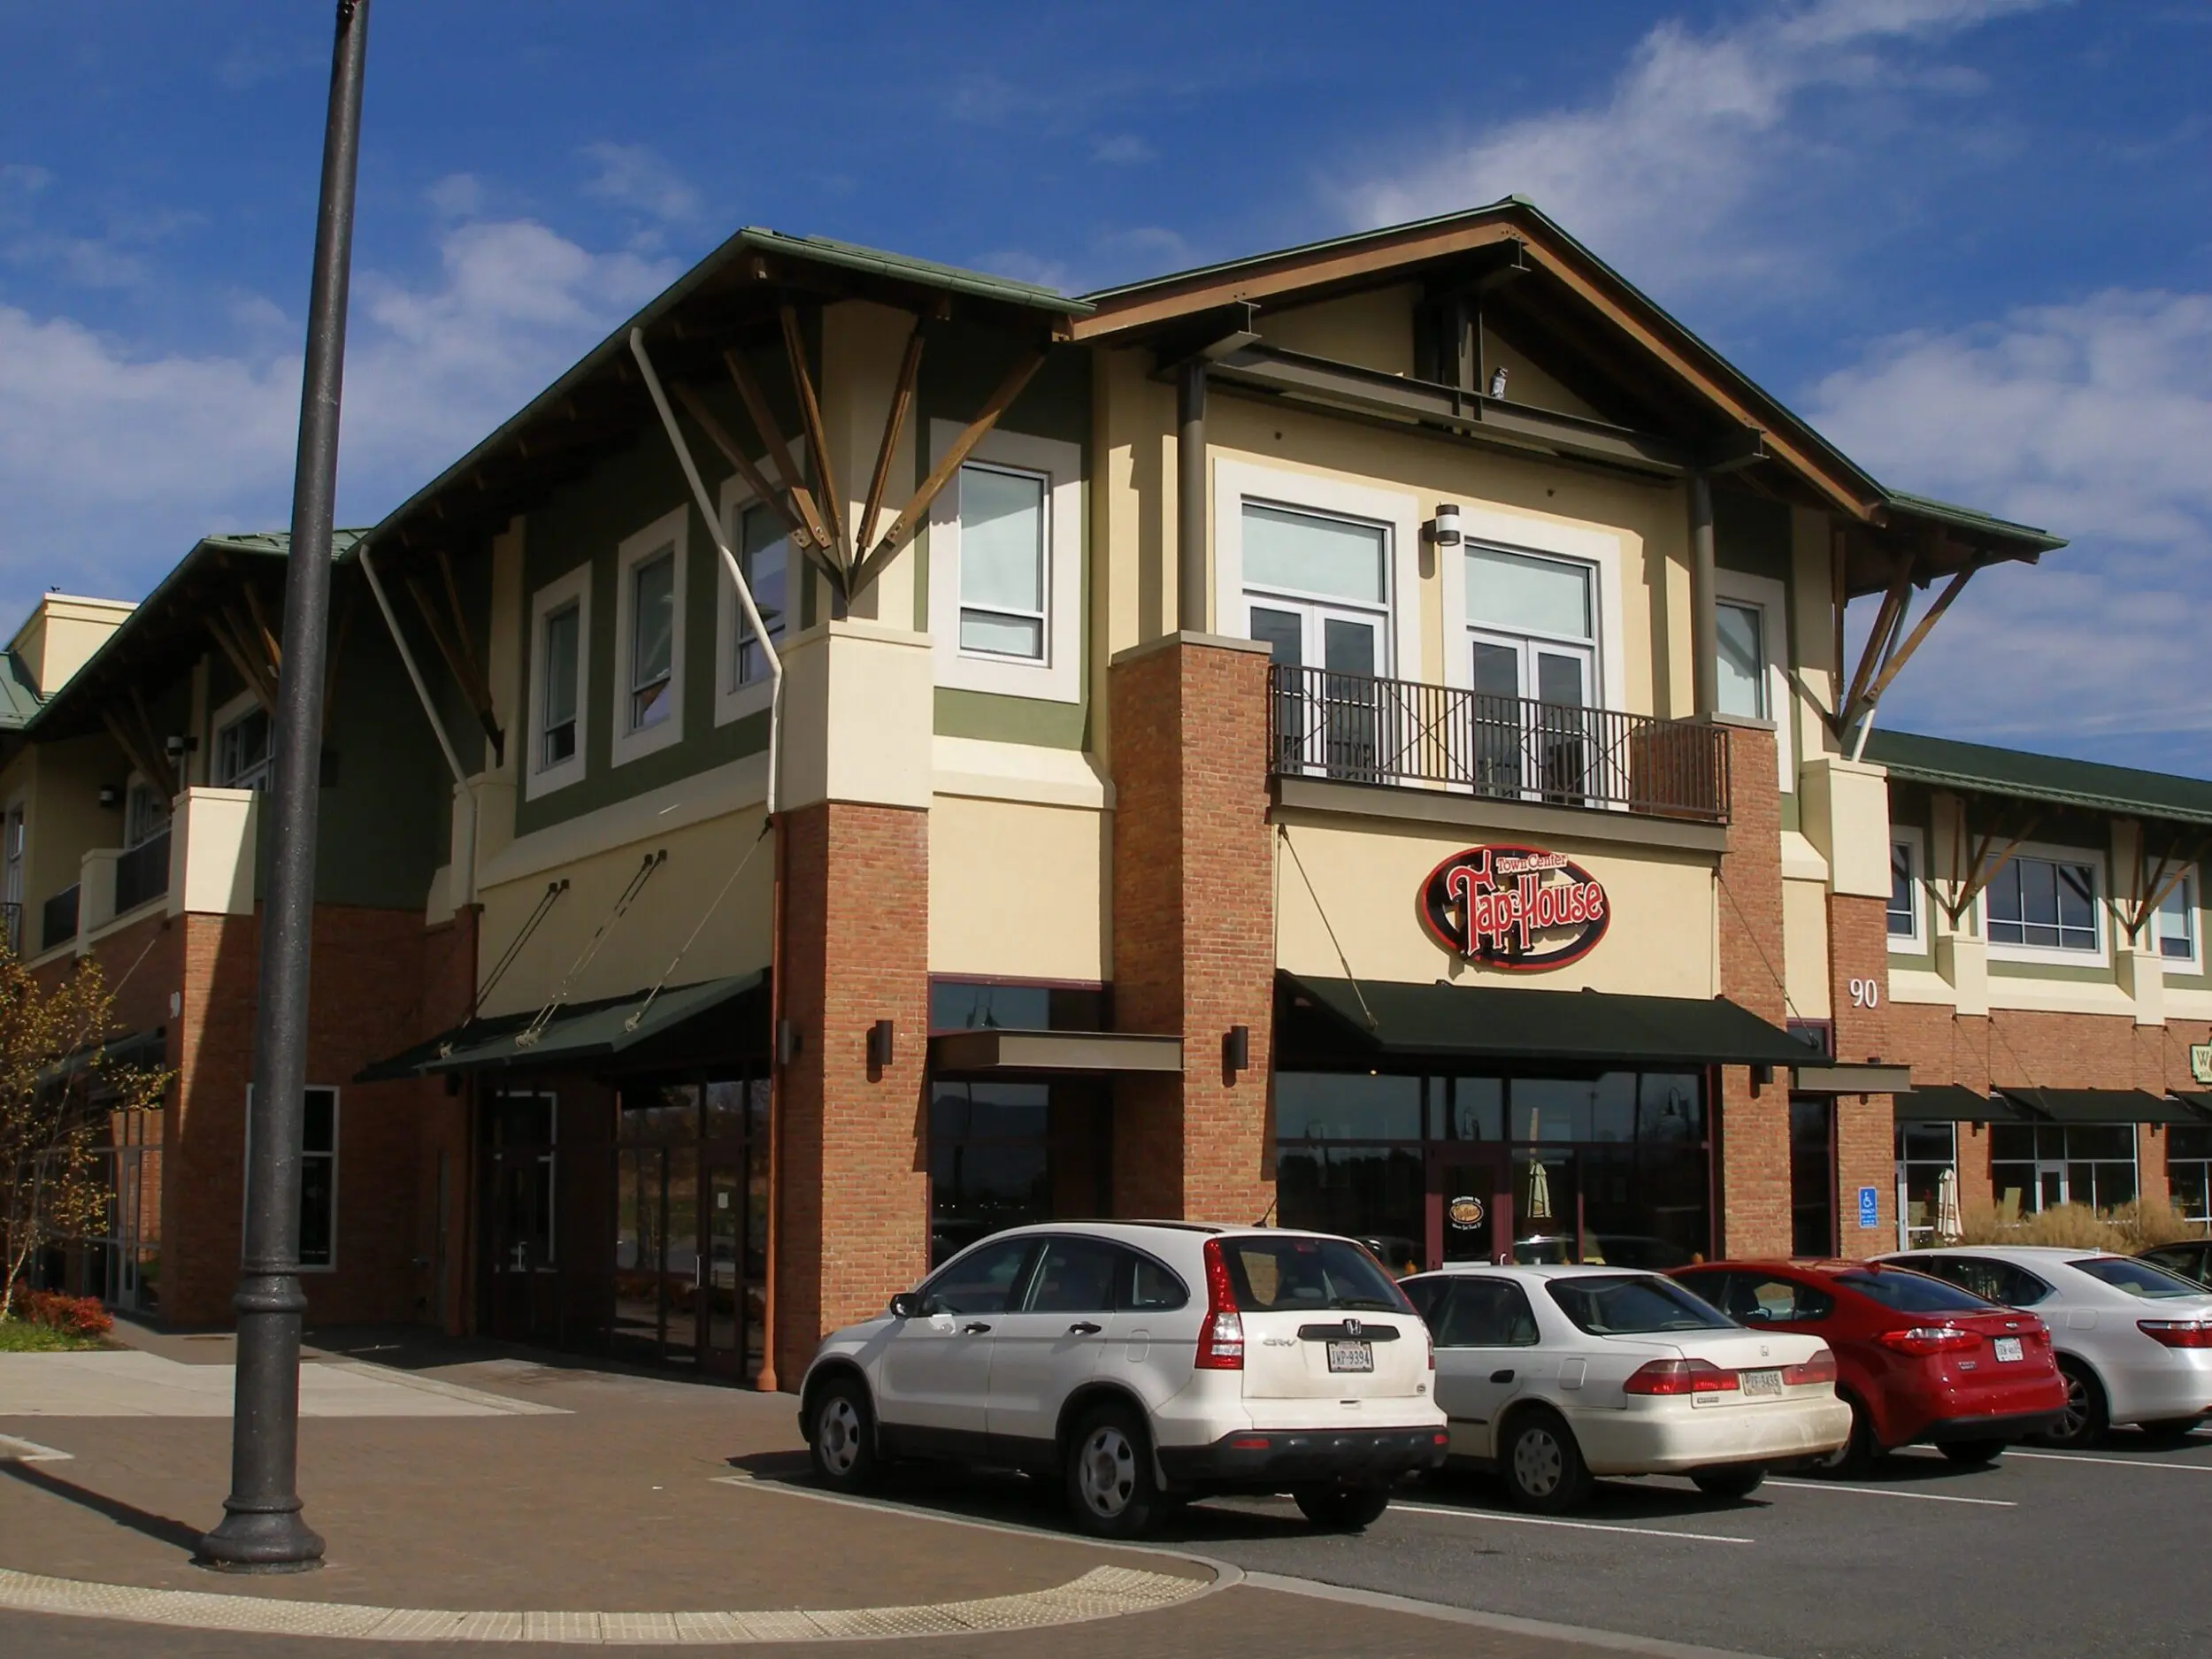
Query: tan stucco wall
point(1368, 878)
point(60, 636)
point(862, 345)
point(1805, 947)
point(1018, 890)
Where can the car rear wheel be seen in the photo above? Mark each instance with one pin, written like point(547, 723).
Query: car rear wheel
point(1973, 1454)
point(1543, 1466)
point(1111, 1492)
point(1342, 1508)
point(1856, 1455)
point(842, 1437)
point(2086, 1418)
point(1729, 1483)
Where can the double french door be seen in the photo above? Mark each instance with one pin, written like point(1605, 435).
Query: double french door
point(1329, 718)
point(1533, 736)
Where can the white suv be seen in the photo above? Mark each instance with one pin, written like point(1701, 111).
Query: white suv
point(1144, 1363)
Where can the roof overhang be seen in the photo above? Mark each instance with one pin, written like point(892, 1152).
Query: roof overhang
point(994, 1050)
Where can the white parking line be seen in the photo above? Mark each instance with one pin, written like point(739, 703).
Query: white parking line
point(2115, 1462)
point(1579, 1526)
point(1892, 1492)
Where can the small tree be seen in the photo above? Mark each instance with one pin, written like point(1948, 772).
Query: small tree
point(60, 1086)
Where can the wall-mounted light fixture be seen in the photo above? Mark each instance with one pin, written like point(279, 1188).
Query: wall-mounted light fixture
point(1497, 381)
point(1443, 529)
point(786, 1041)
point(1236, 1050)
point(177, 746)
point(880, 1047)
point(110, 794)
point(1761, 1076)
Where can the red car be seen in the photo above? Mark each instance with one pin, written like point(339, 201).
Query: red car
point(1916, 1359)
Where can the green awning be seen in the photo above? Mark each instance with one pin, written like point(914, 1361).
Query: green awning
point(1948, 1104)
point(2197, 1100)
point(1510, 1022)
point(578, 1032)
point(2099, 1106)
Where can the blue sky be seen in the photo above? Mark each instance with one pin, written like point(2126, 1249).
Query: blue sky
point(1967, 238)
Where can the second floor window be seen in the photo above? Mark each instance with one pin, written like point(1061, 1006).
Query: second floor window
point(144, 817)
point(2176, 922)
point(2044, 903)
point(1317, 588)
point(1533, 626)
point(242, 752)
point(1904, 901)
point(765, 550)
point(560, 638)
point(1739, 630)
point(652, 638)
point(1005, 560)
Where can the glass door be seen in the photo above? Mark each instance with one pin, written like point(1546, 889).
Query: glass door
point(1470, 1206)
point(1327, 711)
point(1532, 727)
point(521, 1284)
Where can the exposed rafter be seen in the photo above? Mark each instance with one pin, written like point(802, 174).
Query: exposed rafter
point(238, 644)
point(1978, 859)
point(450, 635)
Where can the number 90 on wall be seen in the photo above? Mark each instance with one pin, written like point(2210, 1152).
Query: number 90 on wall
point(1866, 993)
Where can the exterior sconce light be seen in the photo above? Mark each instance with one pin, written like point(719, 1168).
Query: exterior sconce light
point(177, 746)
point(1762, 1075)
point(1443, 529)
point(1497, 381)
point(879, 1046)
point(786, 1041)
point(110, 794)
point(1236, 1050)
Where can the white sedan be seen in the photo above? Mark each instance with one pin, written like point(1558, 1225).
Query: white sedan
point(2134, 1341)
point(1554, 1374)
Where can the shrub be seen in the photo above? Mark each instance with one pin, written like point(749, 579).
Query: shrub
point(77, 1316)
point(2126, 1228)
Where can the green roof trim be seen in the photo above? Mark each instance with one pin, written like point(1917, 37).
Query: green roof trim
point(1967, 519)
point(1978, 768)
point(17, 700)
point(905, 268)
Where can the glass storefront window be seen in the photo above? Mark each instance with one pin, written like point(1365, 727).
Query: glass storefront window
point(2189, 1171)
point(1003, 1155)
point(1371, 1194)
point(1347, 1106)
point(1476, 1108)
point(2040, 1166)
point(1926, 1153)
point(985, 1006)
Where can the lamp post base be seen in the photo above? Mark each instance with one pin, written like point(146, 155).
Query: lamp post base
point(260, 1540)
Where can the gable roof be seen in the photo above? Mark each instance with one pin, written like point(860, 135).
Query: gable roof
point(1980, 768)
point(1593, 299)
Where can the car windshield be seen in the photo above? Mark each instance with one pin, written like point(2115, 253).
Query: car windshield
point(2138, 1279)
point(1292, 1274)
point(1632, 1304)
point(1908, 1292)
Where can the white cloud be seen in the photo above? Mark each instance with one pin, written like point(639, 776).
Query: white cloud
point(113, 458)
point(1659, 172)
point(635, 178)
point(2093, 420)
point(1121, 150)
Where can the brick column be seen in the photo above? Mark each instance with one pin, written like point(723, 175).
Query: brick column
point(1194, 924)
point(1753, 1130)
point(853, 1176)
point(1866, 1145)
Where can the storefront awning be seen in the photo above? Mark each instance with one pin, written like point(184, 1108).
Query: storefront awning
point(990, 1050)
point(2098, 1106)
point(1506, 1022)
point(579, 1033)
point(2196, 1100)
point(1948, 1104)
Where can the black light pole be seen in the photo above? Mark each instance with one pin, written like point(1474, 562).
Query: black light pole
point(262, 1531)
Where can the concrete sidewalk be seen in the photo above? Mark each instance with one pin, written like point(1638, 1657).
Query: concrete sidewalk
point(611, 1508)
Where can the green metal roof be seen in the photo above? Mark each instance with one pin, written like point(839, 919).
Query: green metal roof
point(1949, 763)
point(902, 267)
point(18, 702)
point(1967, 519)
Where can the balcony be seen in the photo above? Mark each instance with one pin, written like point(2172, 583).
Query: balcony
point(1357, 728)
point(141, 873)
point(58, 920)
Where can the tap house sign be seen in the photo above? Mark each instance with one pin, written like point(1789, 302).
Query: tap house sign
point(1517, 908)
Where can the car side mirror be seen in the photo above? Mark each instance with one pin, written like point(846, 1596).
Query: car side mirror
point(908, 1304)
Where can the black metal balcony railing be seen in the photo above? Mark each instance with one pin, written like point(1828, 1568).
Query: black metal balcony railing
point(58, 920)
point(1361, 729)
point(141, 873)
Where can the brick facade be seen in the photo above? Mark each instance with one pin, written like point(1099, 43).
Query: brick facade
point(853, 1179)
point(1866, 1148)
point(1753, 1132)
point(1194, 930)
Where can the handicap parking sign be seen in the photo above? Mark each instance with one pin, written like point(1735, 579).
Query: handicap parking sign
point(1869, 1208)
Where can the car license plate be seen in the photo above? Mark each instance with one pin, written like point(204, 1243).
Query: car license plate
point(1761, 1385)
point(2007, 1347)
point(1351, 1356)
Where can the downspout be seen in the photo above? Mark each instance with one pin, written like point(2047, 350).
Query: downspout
point(464, 889)
point(1190, 498)
point(1704, 621)
point(767, 1382)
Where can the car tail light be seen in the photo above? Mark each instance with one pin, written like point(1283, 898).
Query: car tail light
point(1931, 1339)
point(1681, 1376)
point(2176, 1333)
point(1221, 1339)
point(1821, 1368)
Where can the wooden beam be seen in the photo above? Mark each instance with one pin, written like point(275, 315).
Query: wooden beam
point(230, 632)
point(1886, 622)
point(1982, 872)
point(771, 439)
point(128, 742)
point(1839, 594)
point(156, 763)
point(1903, 654)
point(261, 622)
point(337, 651)
point(911, 515)
point(770, 496)
point(816, 439)
point(894, 423)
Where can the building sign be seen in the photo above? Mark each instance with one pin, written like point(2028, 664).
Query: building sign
point(1465, 1212)
point(1517, 908)
point(2201, 1062)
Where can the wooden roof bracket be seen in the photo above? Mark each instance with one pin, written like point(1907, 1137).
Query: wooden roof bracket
point(460, 656)
point(817, 537)
point(133, 730)
point(231, 635)
point(1889, 647)
point(2153, 887)
point(771, 497)
point(1980, 869)
point(818, 446)
point(894, 423)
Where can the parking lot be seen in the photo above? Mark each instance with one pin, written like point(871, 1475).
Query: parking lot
point(2044, 1554)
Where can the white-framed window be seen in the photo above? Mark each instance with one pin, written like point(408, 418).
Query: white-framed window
point(1751, 632)
point(1006, 566)
point(763, 546)
point(145, 813)
point(241, 759)
point(560, 687)
point(2047, 904)
point(1908, 891)
point(1540, 597)
point(1325, 572)
point(649, 651)
point(2174, 926)
point(319, 1175)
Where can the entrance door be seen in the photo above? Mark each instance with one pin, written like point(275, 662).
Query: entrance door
point(1470, 1206)
point(2050, 1185)
point(1532, 733)
point(1330, 719)
point(1812, 1176)
point(722, 1312)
